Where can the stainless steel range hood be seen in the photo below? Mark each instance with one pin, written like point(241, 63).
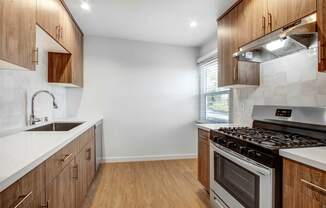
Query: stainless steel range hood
point(298, 36)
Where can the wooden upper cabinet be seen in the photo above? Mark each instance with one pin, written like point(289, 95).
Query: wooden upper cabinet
point(249, 20)
point(77, 57)
point(55, 19)
point(231, 33)
point(18, 34)
point(252, 19)
point(66, 68)
point(283, 12)
point(48, 17)
point(227, 39)
point(66, 30)
point(321, 25)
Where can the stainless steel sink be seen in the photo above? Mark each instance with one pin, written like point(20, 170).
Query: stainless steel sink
point(56, 127)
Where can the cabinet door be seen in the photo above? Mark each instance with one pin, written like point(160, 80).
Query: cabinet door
point(321, 24)
point(281, 12)
point(27, 192)
point(48, 16)
point(252, 20)
point(18, 32)
point(90, 162)
point(227, 45)
point(203, 158)
point(81, 183)
point(66, 29)
point(60, 192)
point(303, 186)
point(77, 57)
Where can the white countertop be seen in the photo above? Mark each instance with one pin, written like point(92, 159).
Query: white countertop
point(314, 156)
point(22, 152)
point(208, 127)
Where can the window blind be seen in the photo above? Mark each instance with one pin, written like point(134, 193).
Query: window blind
point(215, 103)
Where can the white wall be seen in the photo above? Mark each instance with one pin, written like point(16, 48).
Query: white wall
point(147, 93)
point(209, 46)
point(17, 88)
point(292, 80)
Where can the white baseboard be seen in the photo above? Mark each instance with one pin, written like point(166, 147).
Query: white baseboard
point(148, 158)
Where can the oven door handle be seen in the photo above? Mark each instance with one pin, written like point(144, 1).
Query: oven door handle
point(255, 168)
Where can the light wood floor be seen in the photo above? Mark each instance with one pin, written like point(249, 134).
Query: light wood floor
point(155, 184)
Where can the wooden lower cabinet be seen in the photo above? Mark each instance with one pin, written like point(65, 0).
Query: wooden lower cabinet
point(203, 158)
point(27, 192)
point(303, 186)
point(62, 181)
point(90, 162)
point(85, 163)
point(60, 192)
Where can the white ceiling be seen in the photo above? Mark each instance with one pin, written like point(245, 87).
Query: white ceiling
point(162, 21)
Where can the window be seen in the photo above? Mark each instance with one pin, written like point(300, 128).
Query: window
point(215, 103)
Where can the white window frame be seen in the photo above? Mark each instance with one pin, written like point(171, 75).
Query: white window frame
point(218, 91)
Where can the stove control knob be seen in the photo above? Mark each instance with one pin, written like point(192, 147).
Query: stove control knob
point(231, 145)
point(220, 141)
point(215, 139)
point(252, 153)
point(243, 150)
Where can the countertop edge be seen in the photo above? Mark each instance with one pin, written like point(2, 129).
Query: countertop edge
point(209, 127)
point(201, 126)
point(33, 164)
point(304, 160)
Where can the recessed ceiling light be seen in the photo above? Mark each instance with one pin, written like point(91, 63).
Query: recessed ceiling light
point(85, 6)
point(193, 24)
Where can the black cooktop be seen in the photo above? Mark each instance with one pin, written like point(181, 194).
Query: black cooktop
point(270, 139)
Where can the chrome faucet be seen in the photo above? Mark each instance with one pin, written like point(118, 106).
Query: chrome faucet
point(32, 119)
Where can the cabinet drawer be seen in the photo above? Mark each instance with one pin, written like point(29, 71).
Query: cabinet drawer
point(303, 186)
point(85, 138)
point(56, 163)
point(313, 181)
point(27, 191)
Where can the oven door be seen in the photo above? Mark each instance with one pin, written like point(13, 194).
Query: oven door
point(238, 181)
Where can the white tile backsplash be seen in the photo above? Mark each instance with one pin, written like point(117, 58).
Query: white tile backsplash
point(291, 80)
point(17, 88)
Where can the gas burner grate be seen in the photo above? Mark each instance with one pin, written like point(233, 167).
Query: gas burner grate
point(270, 139)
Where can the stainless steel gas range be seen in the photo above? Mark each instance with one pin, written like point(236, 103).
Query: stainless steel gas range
point(246, 169)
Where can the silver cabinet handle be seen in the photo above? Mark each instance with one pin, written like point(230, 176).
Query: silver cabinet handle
point(57, 32)
point(270, 21)
point(66, 157)
point(61, 32)
point(35, 54)
point(264, 23)
point(313, 185)
point(75, 172)
point(89, 154)
point(22, 198)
